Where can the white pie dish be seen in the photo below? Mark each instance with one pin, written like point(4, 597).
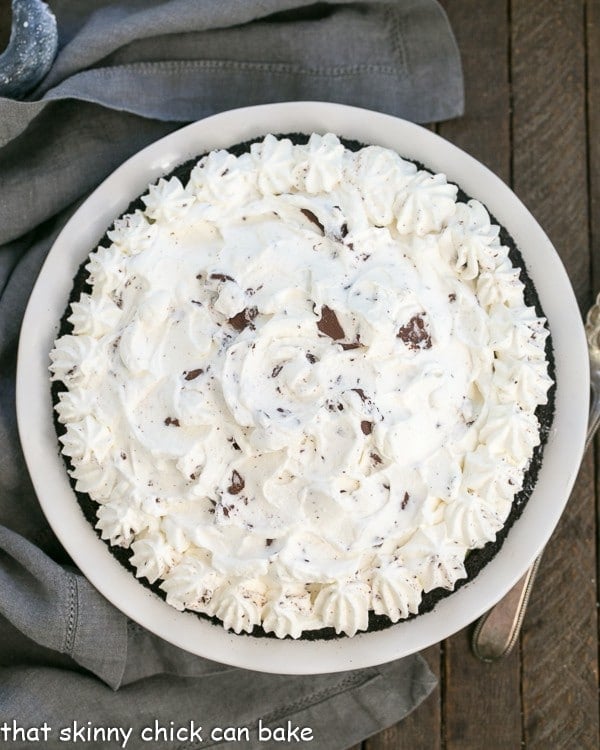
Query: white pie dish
point(562, 454)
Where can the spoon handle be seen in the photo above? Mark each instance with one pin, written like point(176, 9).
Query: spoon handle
point(498, 630)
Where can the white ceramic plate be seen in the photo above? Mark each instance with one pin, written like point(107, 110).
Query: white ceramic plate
point(562, 454)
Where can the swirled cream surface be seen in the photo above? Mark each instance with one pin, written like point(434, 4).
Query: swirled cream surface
point(302, 386)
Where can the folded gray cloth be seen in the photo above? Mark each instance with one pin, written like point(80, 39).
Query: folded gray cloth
point(126, 74)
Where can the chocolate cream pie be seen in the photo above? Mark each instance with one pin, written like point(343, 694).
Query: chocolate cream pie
point(302, 387)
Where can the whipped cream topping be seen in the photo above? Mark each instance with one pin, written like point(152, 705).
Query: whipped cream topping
point(303, 385)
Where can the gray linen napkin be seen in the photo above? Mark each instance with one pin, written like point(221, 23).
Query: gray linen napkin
point(126, 74)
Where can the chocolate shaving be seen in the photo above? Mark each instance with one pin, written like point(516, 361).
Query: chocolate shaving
point(329, 324)
point(172, 421)
point(405, 500)
point(360, 392)
point(193, 374)
point(344, 230)
point(313, 218)
point(311, 358)
point(276, 370)
point(269, 542)
point(237, 483)
point(376, 458)
point(452, 297)
point(366, 427)
point(221, 277)
point(415, 334)
point(352, 345)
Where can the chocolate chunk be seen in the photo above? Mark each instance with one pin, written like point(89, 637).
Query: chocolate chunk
point(123, 455)
point(344, 230)
point(239, 321)
point(221, 277)
point(243, 319)
point(313, 218)
point(452, 297)
point(269, 542)
point(415, 334)
point(405, 500)
point(237, 483)
point(366, 427)
point(276, 370)
point(193, 374)
point(172, 421)
point(311, 358)
point(329, 324)
point(352, 345)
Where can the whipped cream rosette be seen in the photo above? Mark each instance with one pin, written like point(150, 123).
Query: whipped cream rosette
point(301, 386)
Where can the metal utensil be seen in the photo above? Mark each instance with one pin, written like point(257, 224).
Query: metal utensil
point(498, 630)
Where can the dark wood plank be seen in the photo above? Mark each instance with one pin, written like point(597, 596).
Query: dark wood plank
point(420, 730)
point(482, 703)
point(549, 126)
point(482, 38)
point(559, 647)
point(593, 141)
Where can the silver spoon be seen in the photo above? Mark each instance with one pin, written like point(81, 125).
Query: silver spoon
point(498, 630)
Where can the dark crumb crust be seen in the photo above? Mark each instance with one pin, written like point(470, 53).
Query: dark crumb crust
point(476, 559)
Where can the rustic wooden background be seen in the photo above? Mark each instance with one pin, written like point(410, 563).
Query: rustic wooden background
point(532, 78)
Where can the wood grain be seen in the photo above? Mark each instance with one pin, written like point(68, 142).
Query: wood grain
point(593, 139)
point(549, 126)
point(483, 40)
point(483, 701)
point(559, 643)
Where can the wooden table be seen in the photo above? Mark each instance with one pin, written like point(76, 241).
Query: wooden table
point(532, 78)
